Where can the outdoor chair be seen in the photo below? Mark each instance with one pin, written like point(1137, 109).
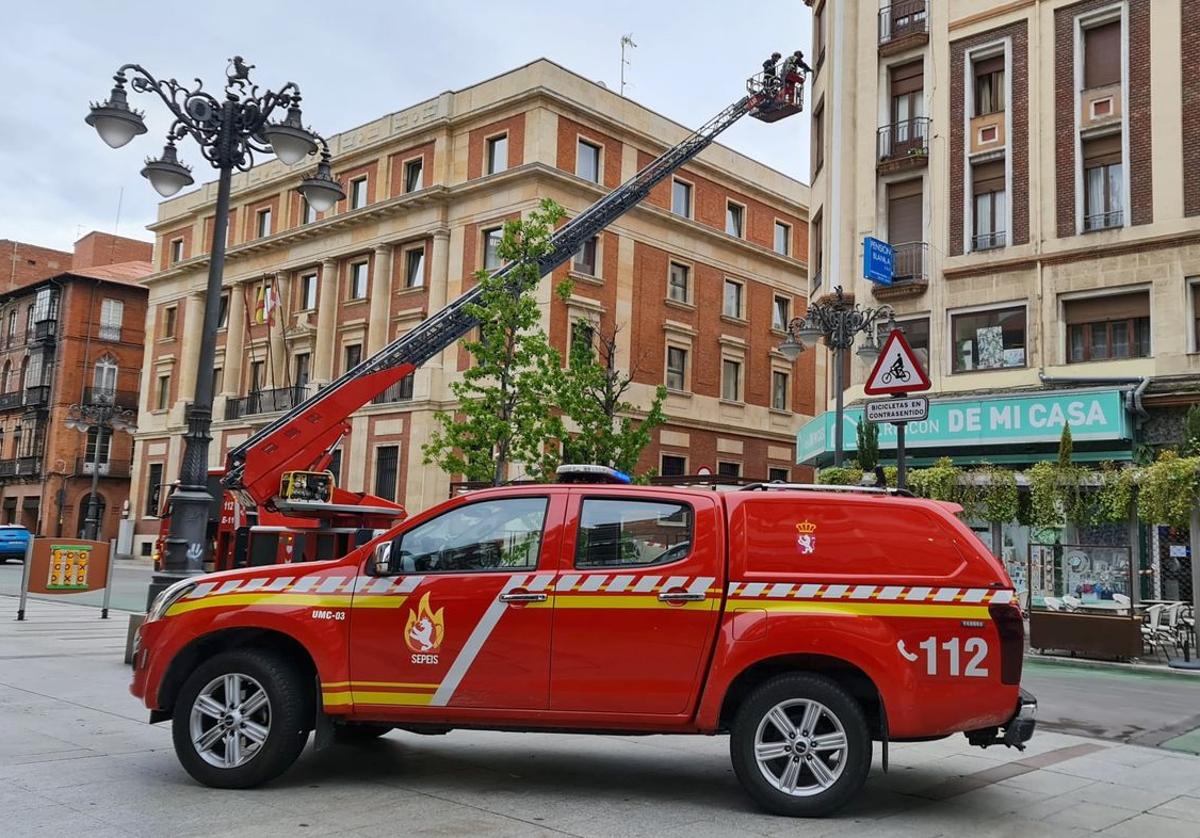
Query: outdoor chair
point(1174, 627)
point(1053, 603)
point(1153, 635)
point(1122, 600)
point(1072, 602)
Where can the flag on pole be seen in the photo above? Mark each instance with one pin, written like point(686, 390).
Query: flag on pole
point(270, 303)
point(260, 304)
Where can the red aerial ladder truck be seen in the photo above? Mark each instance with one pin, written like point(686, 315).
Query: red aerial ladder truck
point(278, 475)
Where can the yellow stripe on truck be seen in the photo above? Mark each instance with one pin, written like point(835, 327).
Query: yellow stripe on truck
point(286, 600)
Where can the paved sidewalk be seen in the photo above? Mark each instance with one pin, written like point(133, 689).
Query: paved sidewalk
point(76, 757)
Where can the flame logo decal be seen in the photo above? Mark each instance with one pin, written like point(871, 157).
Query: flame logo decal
point(425, 628)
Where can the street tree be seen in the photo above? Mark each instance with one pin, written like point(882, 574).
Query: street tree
point(592, 395)
point(868, 445)
point(505, 411)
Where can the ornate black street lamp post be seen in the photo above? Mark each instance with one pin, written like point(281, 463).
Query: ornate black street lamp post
point(99, 414)
point(229, 131)
point(837, 321)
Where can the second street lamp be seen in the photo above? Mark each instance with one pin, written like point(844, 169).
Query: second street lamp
point(229, 131)
point(837, 322)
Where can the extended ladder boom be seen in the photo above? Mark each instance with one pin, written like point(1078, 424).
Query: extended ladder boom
point(302, 437)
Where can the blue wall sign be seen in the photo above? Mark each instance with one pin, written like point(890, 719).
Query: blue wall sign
point(877, 261)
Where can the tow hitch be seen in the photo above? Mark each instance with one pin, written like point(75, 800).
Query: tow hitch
point(1015, 732)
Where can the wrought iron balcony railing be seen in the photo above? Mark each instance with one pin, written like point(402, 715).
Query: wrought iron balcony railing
point(900, 20)
point(908, 138)
point(265, 401)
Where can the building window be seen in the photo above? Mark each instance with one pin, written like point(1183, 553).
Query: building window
point(413, 170)
point(491, 248)
point(783, 238)
point(29, 322)
point(989, 340)
point(818, 250)
point(1196, 316)
point(387, 470)
point(405, 388)
point(989, 85)
point(731, 380)
point(414, 268)
point(358, 281)
point(778, 475)
point(678, 281)
point(12, 328)
point(218, 379)
point(307, 213)
point(583, 337)
point(779, 390)
point(98, 446)
point(726, 469)
point(1102, 55)
point(112, 314)
point(733, 299)
point(176, 250)
point(585, 258)
point(153, 489)
point(818, 137)
point(781, 313)
point(302, 369)
point(223, 310)
point(257, 376)
point(735, 219)
point(819, 36)
point(46, 305)
point(263, 222)
point(587, 161)
point(104, 380)
point(1103, 183)
point(672, 465)
point(676, 368)
point(358, 193)
point(990, 208)
point(169, 315)
point(681, 198)
point(1109, 327)
point(163, 395)
point(353, 356)
point(308, 292)
point(497, 154)
point(916, 332)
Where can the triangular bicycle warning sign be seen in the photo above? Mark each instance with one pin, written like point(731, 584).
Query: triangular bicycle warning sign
point(897, 370)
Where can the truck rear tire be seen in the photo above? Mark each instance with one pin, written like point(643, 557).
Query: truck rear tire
point(800, 745)
point(241, 719)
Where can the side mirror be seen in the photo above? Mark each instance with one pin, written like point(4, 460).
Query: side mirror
point(382, 560)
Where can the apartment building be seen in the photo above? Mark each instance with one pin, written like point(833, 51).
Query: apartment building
point(72, 337)
point(697, 281)
point(1034, 166)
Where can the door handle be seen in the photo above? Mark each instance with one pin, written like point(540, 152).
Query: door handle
point(522, 597)
point(682, 596)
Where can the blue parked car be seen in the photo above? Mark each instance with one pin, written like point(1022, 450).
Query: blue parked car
point(14, 538)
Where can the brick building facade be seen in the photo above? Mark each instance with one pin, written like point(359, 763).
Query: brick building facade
point(70, 336)
point(425, 188)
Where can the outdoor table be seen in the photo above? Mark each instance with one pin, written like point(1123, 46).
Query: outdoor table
point(1104, 607)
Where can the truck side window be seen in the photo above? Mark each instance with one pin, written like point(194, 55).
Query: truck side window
point(490, 535)
point(631, 533)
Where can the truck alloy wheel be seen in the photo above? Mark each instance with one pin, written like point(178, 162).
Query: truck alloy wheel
point(242, 718)
point(800, 745)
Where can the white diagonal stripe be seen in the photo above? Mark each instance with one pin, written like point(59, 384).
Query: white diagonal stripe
point(360, 584)
point(754, 589)
point(808, 591)
point(479, 635)
point(279, 583)
point(540, 581)
point(891, 592)
point(331, 584)
point(254, 584)
point(593, 582)
point(408, 584)
point(380, 585)
point(646, 584)
point(566, 583)
point(835, 591)
point(733, 588)
point(228, 587)
point(1002, 597)
point(974, 595)
point(945, 595)
point(780, 589)
point(675, 582)
point(618, 584)
point(700, 585)
point(201, 590)
point(918, 594)
point(306, 584)
point(862, 592)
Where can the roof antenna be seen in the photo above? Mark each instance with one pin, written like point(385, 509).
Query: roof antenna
point(626, 41)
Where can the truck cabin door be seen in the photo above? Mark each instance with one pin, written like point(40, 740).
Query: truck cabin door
point(637, 598)
point(472, 629)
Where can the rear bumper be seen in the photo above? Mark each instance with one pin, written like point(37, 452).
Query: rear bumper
point(1013, 733)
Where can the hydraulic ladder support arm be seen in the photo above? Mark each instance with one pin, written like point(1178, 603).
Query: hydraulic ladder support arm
point(302, 438)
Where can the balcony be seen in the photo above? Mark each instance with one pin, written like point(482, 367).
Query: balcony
point(124, 399)
point(8, 401)
point(38, 396)
point(265, 401)
point(903, 26)
point(989, 241)
point(1103, 220)
point(401, 391)
point(85, 466)
point(910, 276)
point(44, 331)
point(21, 467)
point(904, 145)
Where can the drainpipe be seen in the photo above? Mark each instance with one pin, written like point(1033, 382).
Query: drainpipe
point(1133, 398)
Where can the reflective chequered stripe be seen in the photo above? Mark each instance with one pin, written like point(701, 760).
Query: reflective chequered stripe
point(867, 593)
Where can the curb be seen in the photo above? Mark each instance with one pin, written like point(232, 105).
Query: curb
point(1135, 668)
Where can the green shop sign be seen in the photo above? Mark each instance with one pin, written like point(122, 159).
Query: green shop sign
point(985, 421)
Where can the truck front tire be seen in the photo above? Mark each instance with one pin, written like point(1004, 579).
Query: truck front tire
point(800, 745)
point(241, 719)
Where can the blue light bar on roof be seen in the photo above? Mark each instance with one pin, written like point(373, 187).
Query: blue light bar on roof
point(591, 473)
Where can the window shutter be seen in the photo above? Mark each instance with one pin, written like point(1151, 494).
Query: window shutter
point(988, 177)
point(986, 66)
point(1102, 151)
point(1102, 55)
point(908, 78)
point(1115, 307)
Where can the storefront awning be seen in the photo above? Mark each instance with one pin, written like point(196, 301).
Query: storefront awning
point(999, 427)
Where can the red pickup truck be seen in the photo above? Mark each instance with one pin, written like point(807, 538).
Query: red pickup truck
point(805, 624)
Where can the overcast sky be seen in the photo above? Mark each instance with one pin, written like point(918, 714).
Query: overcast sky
point(354, 61)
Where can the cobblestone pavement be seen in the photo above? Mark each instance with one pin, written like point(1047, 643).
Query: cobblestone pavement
point(76, 757)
